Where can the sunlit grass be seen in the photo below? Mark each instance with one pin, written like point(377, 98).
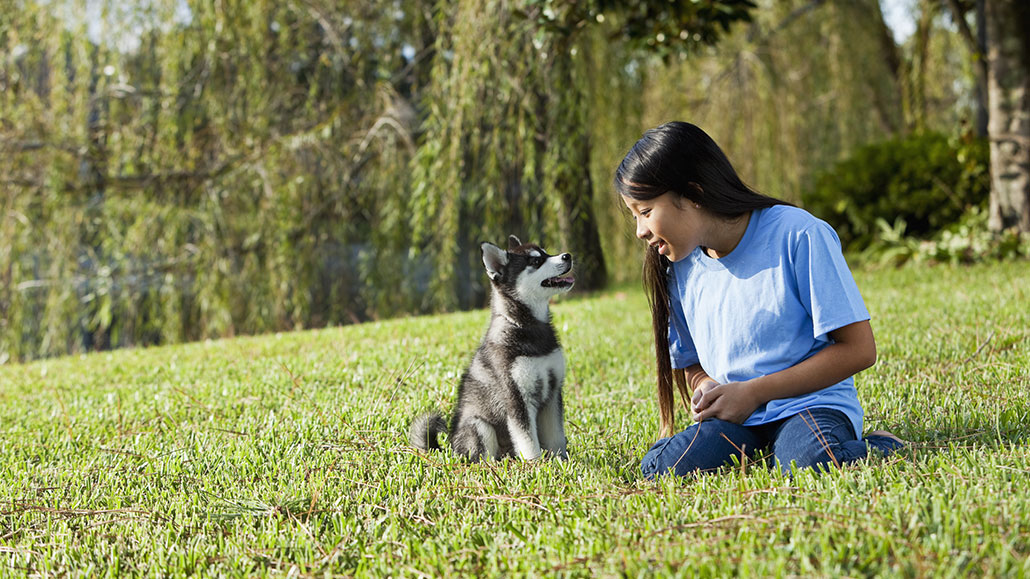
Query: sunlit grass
point(286, 454)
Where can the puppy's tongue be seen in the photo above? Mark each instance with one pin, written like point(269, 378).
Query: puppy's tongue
point(566, 279)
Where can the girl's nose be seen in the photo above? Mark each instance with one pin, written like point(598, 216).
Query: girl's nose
point(642, 231)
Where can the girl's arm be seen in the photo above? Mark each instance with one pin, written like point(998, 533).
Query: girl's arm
point(699, 382)
point(853, 350)
point(696, 377)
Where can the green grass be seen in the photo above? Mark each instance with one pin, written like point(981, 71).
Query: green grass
point(285, 455)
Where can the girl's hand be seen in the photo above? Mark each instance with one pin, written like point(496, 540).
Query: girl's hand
point(732, 402)
point(699, 392)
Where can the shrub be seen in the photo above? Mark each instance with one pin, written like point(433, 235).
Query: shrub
point(925, 180)
point(968, 240)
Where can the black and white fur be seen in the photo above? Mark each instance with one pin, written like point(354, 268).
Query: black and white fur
point(510, 399)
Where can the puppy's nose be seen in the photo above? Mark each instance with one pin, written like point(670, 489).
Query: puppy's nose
point(566, 257)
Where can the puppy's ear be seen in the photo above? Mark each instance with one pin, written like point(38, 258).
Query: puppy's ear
point(494, 258)
point(513, 242)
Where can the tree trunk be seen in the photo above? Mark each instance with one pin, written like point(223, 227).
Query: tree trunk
point(1008, 81)
point(977, 44)
point(982, 110)
point(567, 167)
point(918, 111)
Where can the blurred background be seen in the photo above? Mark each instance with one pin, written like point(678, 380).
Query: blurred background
point(175, 170)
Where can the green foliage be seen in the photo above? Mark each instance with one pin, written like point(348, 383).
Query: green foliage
point(660, 28)
point(507, 145)
point(969, 240)
point(175, 171)
point(788, 94)
point(479, 173)
point(180, 171)
point(227, 176)
point(285, 454)
point(926, 180)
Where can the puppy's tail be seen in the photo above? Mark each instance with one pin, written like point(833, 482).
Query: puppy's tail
point(425, 430)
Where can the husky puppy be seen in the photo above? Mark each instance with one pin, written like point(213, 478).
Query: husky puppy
point(509, 400)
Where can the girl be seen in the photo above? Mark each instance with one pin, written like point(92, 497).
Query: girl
point(754, 310)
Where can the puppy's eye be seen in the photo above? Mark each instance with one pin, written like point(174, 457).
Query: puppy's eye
point(536, 261)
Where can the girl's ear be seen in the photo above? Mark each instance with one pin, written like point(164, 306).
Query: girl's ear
point(495, 259)
point(699, 193)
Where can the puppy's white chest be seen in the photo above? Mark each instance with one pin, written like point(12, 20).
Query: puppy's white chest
point(539, 376)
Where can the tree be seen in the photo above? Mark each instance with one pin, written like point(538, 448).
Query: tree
point(1008, 86)
point(507, 143)
point(799, 88)
point(223, 173)
point(976, 41)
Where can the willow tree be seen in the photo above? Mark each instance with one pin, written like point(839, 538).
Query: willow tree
point(792, 92)
point(507, 143)
point(505, 149)
point(221, 172)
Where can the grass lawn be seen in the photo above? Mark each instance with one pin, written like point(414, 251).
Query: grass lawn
point(286, 455)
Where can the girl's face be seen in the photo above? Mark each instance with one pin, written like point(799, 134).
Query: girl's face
point(674, 226)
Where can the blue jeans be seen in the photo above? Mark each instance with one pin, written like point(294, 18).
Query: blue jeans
point(815, 438)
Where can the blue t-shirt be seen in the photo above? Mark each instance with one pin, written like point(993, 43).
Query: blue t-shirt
point(766, 306)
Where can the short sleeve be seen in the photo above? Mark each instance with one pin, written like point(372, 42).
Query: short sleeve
point(826, 287)
point(681, 346)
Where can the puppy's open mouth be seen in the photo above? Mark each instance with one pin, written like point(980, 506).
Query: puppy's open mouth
point(559, 281)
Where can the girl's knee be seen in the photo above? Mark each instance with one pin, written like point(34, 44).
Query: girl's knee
point(701, 447)
point(665, 457)
point(651, 465)
point(823, 456)
point(822, 438)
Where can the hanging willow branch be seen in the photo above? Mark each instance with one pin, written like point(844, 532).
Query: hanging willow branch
point(505, 148)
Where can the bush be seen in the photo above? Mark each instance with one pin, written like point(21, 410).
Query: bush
point(968, 240)
point(925, 180)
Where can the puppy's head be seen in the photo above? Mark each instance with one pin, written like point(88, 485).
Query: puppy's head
point(527, 272)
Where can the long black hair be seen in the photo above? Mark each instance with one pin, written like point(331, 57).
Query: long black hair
point(681, 159)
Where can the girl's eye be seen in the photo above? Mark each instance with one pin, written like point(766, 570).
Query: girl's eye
point(645, 212)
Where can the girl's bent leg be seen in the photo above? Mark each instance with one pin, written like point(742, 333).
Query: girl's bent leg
point(817, 438)
point(703, 446)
